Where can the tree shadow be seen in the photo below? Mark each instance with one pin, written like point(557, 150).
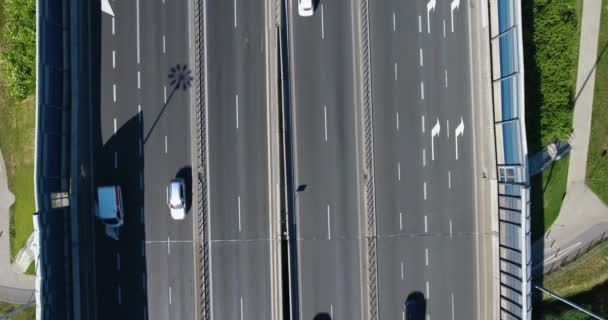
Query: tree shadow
point(595, 300)
point(533, 102)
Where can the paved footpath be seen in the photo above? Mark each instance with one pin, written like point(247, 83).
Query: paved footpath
point(583, 216)
point(14, 287)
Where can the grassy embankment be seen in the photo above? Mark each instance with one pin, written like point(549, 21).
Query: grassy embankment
point(551, 41)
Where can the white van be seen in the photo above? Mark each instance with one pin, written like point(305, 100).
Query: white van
point(110, 209)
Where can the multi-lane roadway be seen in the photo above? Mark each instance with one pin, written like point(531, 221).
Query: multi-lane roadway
point(240, 202)
point(144, 124)
point(324, 125)
point(423, 157)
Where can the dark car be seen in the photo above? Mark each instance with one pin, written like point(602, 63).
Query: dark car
point(415, 306)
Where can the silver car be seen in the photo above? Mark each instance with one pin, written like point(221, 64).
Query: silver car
point(176, 198)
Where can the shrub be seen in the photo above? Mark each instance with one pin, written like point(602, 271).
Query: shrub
point(18, 58)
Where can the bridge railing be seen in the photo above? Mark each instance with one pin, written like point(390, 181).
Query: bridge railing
point(511, 159)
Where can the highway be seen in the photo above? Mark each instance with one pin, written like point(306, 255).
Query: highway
point(144, 128)
point(325, 160)
point(423, 157)
point(239, 163)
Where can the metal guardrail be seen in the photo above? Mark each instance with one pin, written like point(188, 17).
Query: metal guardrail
point(201, 148)
point(368, 145)
point(511, 159)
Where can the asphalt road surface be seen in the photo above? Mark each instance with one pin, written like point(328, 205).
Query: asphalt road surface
point(424, 171)
point(324, 125)
point(144, 127)
point(239, 179)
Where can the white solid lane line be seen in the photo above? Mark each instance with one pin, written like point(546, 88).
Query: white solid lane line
point(168, 245)
point(325, 120)
point(322, 22)
point(170, 298)
point(426, 256)
point(238, 201)
point(114, 92)
point(141, 180)
point(328, 223)
point(331, 311)
point(117, 260)
point(113, 27)
point(444, 28)
point(137, 31)
point(401, 221)
point(395, 71)
point(235, 24)
point(140, 148)
point(166, 145)
point(394, 22)
point(421, 58)
point(164, 45)
point(115, 160)
point(236, 98)
point(141, 214)
point(143, 249)
point(241, 308)
point(401, 270)
point(419, 24)
point(427, 291)
point(426, 224)
point(114, 125)
point(165, 93)
point(143, 281)
point(138, 79)
point(113, 59)
point(422, 90)
point(446, 77)
point(119, 295)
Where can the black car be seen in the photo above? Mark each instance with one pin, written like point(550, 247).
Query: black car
point(415, 306)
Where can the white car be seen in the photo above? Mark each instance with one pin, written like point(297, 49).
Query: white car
point(176, 198)
point(305, 8)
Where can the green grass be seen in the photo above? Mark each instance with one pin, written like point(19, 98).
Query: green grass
point(31, 270)
point(551, 44)
point(550, 188)
point(28, 313)
point(584, 281)
point(597, 161)
point(17, 122)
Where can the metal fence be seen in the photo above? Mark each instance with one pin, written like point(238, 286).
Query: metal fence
point(511, 159)
point(562, 260)
point(201, 163)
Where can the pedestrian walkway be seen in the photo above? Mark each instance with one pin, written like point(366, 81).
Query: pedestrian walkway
point(14, 287)
point(583, 216)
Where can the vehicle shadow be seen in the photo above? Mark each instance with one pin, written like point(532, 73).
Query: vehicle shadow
point(186, 174)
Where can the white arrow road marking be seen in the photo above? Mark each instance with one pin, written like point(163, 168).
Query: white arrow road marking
point(455, 5)
point(105, 7)
point(429, 6)
point(434, 132)
point(458, 132)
